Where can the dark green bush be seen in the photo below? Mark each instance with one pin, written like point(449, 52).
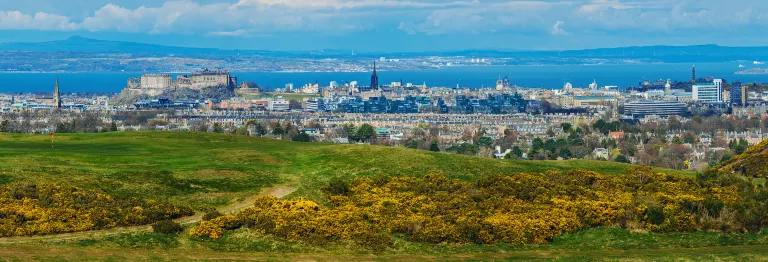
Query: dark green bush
point(167, 227)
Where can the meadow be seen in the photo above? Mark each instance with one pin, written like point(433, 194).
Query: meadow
point(205, 171)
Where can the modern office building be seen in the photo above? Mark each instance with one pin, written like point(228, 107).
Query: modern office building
point(707, 92)
point(660, 108)
point(738, 94)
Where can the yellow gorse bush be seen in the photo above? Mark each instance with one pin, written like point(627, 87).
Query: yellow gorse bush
point(514, 209)
point(27, 210)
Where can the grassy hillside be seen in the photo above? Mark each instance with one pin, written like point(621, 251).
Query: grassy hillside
point(211, 170)
point(201, 169)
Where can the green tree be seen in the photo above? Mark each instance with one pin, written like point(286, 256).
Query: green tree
point(365, 133)
point(113, 127)
point(622, 159)
point(302, 137)
point(566, 127)
point(217, 128)
point(435, 146)
point(517, 152)
point(485, 142)
point(278, 130)
point(61, 128)
point(413, 144)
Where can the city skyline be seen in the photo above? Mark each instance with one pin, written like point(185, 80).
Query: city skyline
point(391, 25)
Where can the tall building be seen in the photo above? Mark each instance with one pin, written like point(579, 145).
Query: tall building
point(707, 92)
point(693, 73)
point(56, 95)
point(374, 78)
point(738, 94)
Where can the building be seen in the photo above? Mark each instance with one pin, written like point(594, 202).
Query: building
point(660, 108)
point(279, 104)
point(739, 94)
point(156, 84)
point(707, 92)
point(56, 96)
point(374, 81)
point(718, 83)
point(594, 101)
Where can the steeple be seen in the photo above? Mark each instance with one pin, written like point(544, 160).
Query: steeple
point(374, 78)
point(56, 95)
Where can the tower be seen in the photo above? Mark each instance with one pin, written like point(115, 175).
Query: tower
point(56, 95)
point(693, 74)
point(374, 78)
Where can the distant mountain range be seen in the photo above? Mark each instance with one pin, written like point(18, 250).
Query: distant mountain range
point(703, 53)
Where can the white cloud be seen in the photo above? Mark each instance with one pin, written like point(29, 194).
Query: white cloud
point(249, 18)
point(16, 20)
point(351, 4)
point(556, 30)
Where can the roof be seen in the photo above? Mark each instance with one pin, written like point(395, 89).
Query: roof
point(595, 98)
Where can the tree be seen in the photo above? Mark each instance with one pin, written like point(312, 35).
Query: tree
point(621, 159)
point(113, 127)
point(302, 137)
point(435, 146)
point(365, 133)
point(61, 128)
point(566, 127)
point(516, 153)
point(484, 142)
point(565, 153)
point(217, 128)
point(294, 104)
point(278, 130)
point(413, 144)
point(4, 126)
point(464, 149)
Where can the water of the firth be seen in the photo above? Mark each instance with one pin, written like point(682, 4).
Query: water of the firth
point(547, 76)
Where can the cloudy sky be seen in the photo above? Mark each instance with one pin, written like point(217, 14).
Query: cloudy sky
point(391, 25)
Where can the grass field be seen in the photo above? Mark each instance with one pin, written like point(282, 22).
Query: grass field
point(211, 170)
point(208, 170)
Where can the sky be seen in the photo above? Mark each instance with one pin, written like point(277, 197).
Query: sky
point(391, 25)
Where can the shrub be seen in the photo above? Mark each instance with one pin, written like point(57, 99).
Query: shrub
point(167, 227)
point(212, 215)
point(337, 186)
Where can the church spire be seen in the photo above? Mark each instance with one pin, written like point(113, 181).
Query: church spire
point(374, 78)
point(56, 95)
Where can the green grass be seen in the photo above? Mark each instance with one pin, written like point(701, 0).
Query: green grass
point(207, 170)
point(600, 244)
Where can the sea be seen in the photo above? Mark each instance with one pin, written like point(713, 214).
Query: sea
point(526, 76)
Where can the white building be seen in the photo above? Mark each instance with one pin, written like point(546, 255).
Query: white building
point(279, 104)
point(707, 93)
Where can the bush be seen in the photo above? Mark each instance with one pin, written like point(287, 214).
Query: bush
point(211, 215)
point(167, 227)
point(337, 186)
point(512, 209)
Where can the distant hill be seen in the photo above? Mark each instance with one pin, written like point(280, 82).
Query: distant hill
point(703, 53)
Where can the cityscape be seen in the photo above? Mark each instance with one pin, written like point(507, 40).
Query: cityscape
point(383, 130)
point(607, 123)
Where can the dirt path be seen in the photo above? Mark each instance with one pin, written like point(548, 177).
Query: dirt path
point(278, 191)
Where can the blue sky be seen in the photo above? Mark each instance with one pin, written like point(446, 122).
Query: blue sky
point(391, 25)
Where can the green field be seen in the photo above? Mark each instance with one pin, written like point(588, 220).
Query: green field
point(208, 170)
point(204, 170)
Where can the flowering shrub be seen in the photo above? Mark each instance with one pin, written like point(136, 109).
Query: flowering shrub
point(513, 209)
point(27, 210)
